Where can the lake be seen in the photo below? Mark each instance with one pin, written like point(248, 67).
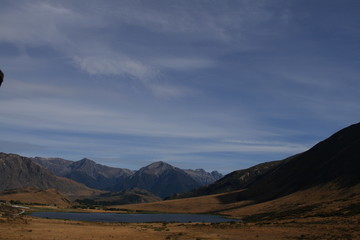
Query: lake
point(132, 218)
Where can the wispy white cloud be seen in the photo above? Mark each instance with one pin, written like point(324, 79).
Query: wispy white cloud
point(115, 66)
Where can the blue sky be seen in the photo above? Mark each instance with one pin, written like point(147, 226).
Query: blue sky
point(199, 84)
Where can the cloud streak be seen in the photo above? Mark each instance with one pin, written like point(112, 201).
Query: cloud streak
point(115, 66)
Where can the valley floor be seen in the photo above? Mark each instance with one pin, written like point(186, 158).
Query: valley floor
point(319, 213)
point(27, 228)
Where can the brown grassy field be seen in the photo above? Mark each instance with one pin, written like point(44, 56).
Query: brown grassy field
point(205, 204)
point(34, 196)
point(326, 200)
point(319, 213)
point(43, 229)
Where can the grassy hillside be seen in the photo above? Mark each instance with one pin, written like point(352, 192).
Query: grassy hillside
point(321, 201)
point(49, 197)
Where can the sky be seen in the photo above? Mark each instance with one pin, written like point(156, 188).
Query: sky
point(219, 85)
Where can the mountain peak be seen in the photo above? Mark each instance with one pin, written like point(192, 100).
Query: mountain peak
point(86, 160)
point(159, 164)
point(83, 163)
point(156, 168)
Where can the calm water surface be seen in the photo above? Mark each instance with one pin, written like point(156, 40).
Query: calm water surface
point(132, 218)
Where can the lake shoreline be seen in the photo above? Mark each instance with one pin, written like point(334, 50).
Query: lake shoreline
point(132, 217)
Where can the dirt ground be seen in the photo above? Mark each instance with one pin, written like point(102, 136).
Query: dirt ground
point(28, 228)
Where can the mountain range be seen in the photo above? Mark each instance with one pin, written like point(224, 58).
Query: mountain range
point(330, 168)
point(159, 178)
point(162, 179)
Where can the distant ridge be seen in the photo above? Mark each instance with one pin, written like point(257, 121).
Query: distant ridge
point(162, 179)
point(233, 181)
point(58, 166)
point(85, 171)
point(203, 177)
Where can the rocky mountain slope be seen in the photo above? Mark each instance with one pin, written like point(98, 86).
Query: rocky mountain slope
point(86, 172)
point(58, 166)
point(203, 177)
point(21, 172)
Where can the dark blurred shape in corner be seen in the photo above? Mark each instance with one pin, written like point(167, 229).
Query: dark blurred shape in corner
point(1, 77)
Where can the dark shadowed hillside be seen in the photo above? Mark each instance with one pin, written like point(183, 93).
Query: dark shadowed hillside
point(131, 196)
point(336, 160)
point(96, 175)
